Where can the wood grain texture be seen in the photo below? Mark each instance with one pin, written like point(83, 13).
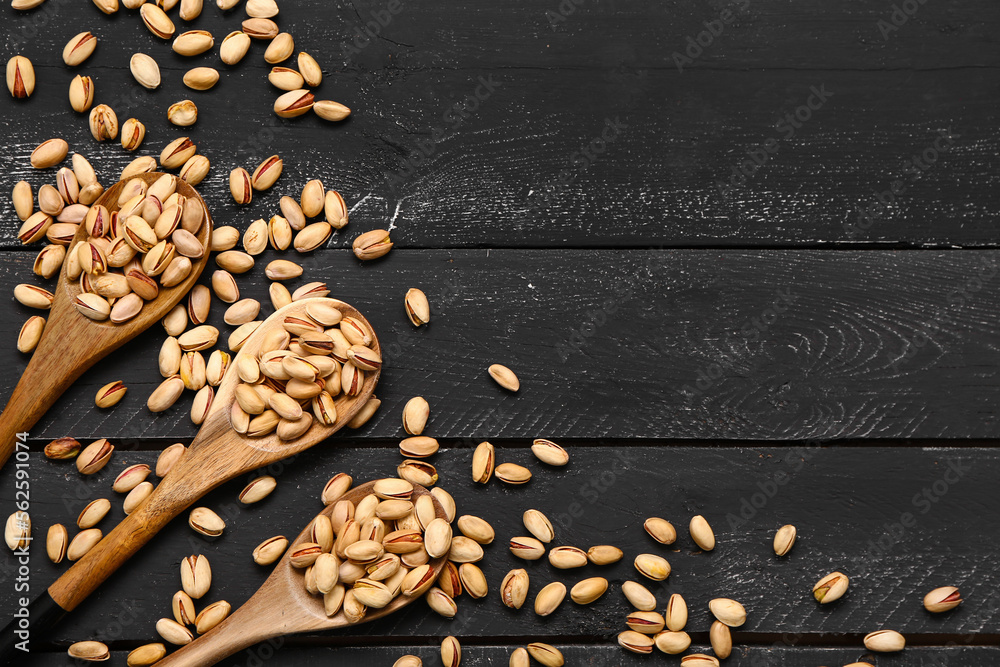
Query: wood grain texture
point(587, 655)
point(714, 344)
point(72, 343)
point(845, 501)
point(508, 169)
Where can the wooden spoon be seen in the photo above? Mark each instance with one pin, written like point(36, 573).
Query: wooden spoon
point(217, 455)
point(72, 343)
point(282, 606)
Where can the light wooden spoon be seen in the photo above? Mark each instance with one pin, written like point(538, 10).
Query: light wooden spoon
point(282, 606)
point(217, 455)
point(72, 343)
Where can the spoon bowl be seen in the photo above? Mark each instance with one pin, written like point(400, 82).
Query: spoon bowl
point(72, 343)
point(283, 606)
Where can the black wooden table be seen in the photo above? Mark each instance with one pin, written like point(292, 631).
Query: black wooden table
point(741, 255)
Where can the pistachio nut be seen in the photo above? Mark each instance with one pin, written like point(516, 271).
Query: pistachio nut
point(285, 78)
point(199, 338)
point(145, 655)
point(79, 48)
point(183, 608)
point(831, 587)
point(942, 599)
point(17, 530)
point(336, 487)
point(291, 210)
point(437, 538)
point(728, 611)
point(418, 447)
point(242, 311)
point(473, 580)
point(267, 173)
point(270, 550)
point(441, 602)
point(677, 613)
point(183, 113)
point(133, 132)
point(211, 616)
point(885, 641)
point(565, 558)
point(504, 377)
point(645, 622)
point(166, 394)
point(93, 512)
point(672, 642)
point(82, 543)
point(62, 449)
point(293, 103)
point(312, 236)
point(446, 500)
point(136, 496)
point(20, 77)
point(311, 71)
point(514, 588)
point(372, 245)
point(23, 199)
point(476, 529)
point(699, 660)
point(89, 651)
point(94, 456)
point(588, 590)
point(721, 639)
point(55, 542)
point(141, 165)
point(196, 576)
point(168, 458)
point(417, 309)
point(30, 334)
point(511, 473)
point(260, 28)
point(549, 598)
point(451, 652)
point(234, 261)
point(205, 521)
point(483, 462)
point(784, 540)
point(202, 404)
point(130, 477)
point(639, 596)
point(701, 533)
point(34, 228)
point(335, 209)
point(81, 93)
point(156, 20)
point(258, 489)
point(279, 233)
point(538, 525)
point(177, 152)
point(103, 122)
point(630, 640)
point(262, 9)
point(413, 471)
point(652, 566)
point(193, 42)
point(330, 110)
point(197, 167)
point(172, 631)
point(280, 49)
point(49, 153)
point(234, 46)
point(546, 654)
point(519, 658)
point(660, 530)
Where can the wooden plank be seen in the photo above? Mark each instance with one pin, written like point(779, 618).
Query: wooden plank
point(634, 157)
point(713, 345)
point(898, 521)
point(376, 34)
point(593, 655)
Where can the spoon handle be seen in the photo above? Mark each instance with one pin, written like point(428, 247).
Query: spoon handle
point(261, 618)
point(62, 355)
